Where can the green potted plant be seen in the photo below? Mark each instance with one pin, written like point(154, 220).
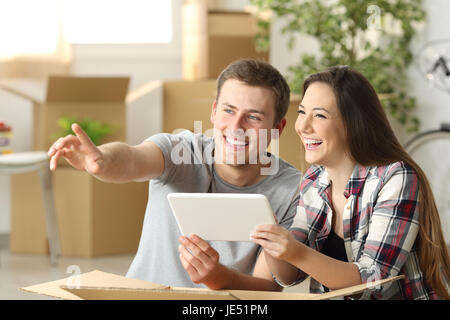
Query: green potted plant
point(372, 37)
point(96, 130)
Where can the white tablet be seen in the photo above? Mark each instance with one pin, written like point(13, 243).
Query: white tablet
point(220, 216)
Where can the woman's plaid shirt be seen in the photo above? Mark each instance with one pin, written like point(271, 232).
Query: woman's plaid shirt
point(381, 223)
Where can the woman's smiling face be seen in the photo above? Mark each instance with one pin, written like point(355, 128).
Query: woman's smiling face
point(321, 127)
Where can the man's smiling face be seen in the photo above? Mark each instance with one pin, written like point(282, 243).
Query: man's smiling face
point(240, 115)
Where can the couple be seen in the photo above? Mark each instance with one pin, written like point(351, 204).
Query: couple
point(363, 211)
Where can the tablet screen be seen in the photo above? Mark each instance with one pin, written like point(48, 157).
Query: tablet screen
point(220, 216)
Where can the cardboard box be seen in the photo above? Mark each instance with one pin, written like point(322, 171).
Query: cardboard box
point(28, 232)
point(194, 40)
point(94, 218)
point(187, 101)
point(97, 98)
point(33, 68)
point(231, 36)
point(213, 39)
point(136, 116)
point(97, 285)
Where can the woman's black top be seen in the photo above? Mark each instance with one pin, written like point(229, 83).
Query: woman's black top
point(334, 248)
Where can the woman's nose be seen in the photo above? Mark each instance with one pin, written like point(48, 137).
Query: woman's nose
point(303, 125)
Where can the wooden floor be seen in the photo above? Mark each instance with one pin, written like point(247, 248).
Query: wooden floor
point(23, 270)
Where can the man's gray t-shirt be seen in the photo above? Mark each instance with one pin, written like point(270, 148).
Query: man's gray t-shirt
point(157, 259)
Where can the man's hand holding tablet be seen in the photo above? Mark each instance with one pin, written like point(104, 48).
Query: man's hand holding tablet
point(215, 216)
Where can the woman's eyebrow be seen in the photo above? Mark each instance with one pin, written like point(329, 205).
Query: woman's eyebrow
point(320, 108)
point(315, 108)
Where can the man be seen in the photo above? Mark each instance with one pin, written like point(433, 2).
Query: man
point(252, 100)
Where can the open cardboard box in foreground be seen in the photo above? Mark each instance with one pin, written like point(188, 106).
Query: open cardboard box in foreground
point(98, 285)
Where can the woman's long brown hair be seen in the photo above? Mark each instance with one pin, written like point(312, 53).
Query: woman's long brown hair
point(373, 142)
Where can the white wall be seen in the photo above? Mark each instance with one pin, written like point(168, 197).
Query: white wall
point(163, 62)
point(433, 104)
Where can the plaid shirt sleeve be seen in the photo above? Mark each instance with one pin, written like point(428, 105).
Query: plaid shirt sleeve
point(393, 228)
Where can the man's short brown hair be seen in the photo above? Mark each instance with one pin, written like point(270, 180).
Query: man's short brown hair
point(259, 74)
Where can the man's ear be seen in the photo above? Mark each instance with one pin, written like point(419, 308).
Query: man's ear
point(213, 111)
point(280, 126)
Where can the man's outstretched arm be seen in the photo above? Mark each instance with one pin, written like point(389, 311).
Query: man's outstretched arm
point(112, 162)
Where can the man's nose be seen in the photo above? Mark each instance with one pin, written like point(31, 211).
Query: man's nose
point(237, 125)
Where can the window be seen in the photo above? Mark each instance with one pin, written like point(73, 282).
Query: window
point(117, 21)
point(29, 27)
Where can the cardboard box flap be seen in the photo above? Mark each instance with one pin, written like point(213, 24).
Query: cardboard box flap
point(175, 293)
point(355, 289)
point(270, 295)
point(143, 90)
point(30, 89)
point(97, 285)
point(113, 293)
point(90, 279)
point(87, 89)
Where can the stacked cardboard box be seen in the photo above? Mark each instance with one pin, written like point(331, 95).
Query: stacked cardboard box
point(231, 36)
point(214, 39)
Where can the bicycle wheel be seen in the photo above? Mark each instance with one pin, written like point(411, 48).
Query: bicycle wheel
point(431, 151)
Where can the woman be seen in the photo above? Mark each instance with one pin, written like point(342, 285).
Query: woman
point(366, 210)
